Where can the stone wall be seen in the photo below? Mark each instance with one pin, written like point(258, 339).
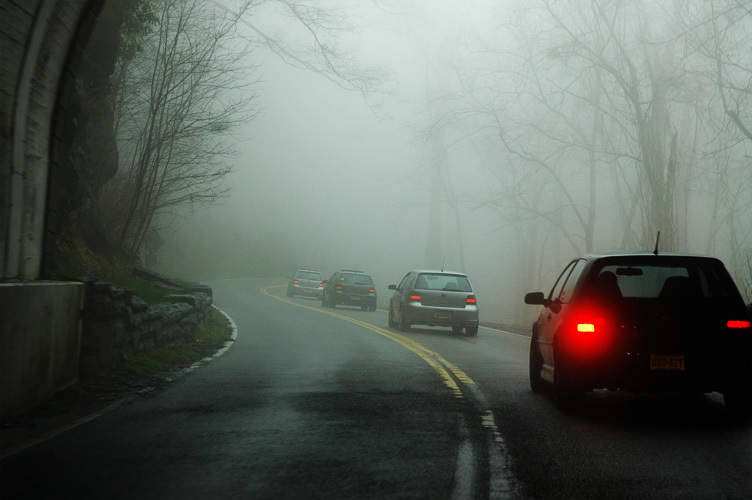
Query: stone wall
point(117, 324)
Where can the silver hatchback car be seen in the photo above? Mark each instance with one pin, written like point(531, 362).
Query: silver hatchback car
point(306, 282)
point(434, 298)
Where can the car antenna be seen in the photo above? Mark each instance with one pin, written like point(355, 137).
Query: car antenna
point(657, 239)
point(442, 263)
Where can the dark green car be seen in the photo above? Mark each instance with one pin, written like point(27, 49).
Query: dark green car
point(350, 288)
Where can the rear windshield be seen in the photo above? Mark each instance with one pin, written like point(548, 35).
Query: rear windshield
point(356, 279)
point(308, 275)
point(696, 279)
point(445, 282)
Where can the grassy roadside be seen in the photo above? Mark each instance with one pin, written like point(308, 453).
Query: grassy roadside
point(210, 339)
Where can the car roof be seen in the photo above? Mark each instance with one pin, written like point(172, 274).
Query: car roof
point(308, 271)
point(648, 255)
point(437, 271)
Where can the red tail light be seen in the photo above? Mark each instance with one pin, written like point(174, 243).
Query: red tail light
point(321, 284)
point(590, 332)
point(414, 297)
point(296, 282)
point(738, 324)
point(339, 287)
point(372, 290)
point(471, 299)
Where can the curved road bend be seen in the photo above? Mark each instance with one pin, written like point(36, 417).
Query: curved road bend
point(321, 403)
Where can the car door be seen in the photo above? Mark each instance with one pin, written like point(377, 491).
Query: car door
point(330, 284)
point(551, 316)
point(395, 303)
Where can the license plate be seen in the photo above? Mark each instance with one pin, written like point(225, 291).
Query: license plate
point(667, 362)
point(443, 314)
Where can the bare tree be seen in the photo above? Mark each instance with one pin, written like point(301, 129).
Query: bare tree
point(177, 100)
point(718, 35)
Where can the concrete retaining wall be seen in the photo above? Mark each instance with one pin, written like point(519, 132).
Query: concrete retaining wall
point(39, 341)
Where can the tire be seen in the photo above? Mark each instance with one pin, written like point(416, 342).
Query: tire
point(456, 330)
point(392, 323)
point(537, 384)
point(365, 308)
point(372, 309)
point(289, 293)
point(330, 303)
point(403, 325)
point(471, 331)
point(323, 301)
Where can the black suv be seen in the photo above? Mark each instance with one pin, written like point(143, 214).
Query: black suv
point(643, 322)
point(351, 288)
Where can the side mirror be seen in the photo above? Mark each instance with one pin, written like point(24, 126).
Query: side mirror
point(535, 298)
point(392, 287)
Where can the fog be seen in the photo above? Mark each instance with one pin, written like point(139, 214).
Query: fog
point(325, 178)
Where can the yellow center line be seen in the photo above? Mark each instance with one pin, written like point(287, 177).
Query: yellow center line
point(434, 359)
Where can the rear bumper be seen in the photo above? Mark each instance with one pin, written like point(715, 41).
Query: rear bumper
point(309, 292)
point(633, 372)
point(417, 314)
point(346, 299)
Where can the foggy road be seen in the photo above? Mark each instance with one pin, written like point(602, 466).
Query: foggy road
point(330, 403)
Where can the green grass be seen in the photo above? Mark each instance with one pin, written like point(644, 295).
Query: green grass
point(75, 259)
point(145, 289)
point(205, 343)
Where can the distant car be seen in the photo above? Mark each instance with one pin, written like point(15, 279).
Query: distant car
point(306, 282)
point(643, 323)
point(350, 288)
point(434, 298)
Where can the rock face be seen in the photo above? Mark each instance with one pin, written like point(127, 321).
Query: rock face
point(117, 324)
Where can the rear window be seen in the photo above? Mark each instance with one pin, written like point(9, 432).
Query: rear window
point(308, 275)
point(356, 279)
point(667, 280)
point(445, 282)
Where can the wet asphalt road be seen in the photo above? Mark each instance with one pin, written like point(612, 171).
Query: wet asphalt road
point(321, 403)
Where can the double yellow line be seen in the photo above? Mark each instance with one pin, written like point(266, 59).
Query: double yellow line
point(444, 368)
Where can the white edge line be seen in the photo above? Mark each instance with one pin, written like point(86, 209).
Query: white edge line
point(107, 409)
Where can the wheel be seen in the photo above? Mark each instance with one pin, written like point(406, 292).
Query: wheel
point(289, 293)
point(403, 324)
point(537, 384)
point(392, 323)
point(331, 303)
point(456, 330)
point(365, 308)
point(471, 331)
point(372, 309)
point(323, 301)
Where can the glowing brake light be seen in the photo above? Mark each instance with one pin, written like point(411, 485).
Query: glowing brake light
point(738, 324)
point(321, 284)
point(471, 299)
point(296, 282)
point(339, 287)
point(414, 297)
point(372, 290)
point(586, 327)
